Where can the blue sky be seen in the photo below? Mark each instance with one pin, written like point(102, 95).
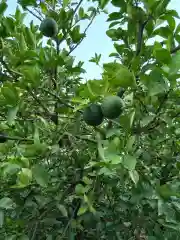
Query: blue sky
point(95, 42)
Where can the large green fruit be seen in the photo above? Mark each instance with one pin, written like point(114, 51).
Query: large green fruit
point(112, 107)
point(49, 27)
point(93, 115)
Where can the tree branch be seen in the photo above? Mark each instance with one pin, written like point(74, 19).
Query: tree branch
point(34, 14)
point(174, 50)
point(90, 23)
point(140, 35)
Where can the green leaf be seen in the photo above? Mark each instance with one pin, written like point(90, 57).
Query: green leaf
point(103, 3)
point(164, 32)
point(10, 94)
point(156, 83)
point(113, 158)
point(162, 55)
point(130, 142)
point(24, 177)
point(6, 203)
point(24, 237)
point(96, 59)
point(12, 112)
point(25, 3)
point(36, 135)
point(31, 75)
point(63, 210)
point(30, 38)
point(160, 7)
point(114, 24)
point(119, 75)
point(11, 237)
point(112, 33)
point(76, 35)
point(177, 29)
point(129, 162)
point(81, 13)
point(100, 147)
point(40, 174)
point(10, 168)
point(171, 21)
point(79, 189)
point(83, 209)
point(1, 218)
point(174, 65)
point(121, 4)
point(22, 43)
point(166, 192)
point(114, 16)
point(134, 176)
point(3, 7)
point(65, 3)
point(32, 150)
point(132, 116)
point(146, 120)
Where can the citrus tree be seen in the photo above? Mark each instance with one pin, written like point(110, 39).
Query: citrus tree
point(96, 159)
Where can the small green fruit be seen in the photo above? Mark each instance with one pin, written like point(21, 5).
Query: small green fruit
point(112, 107)
point(93, 115)
point(49, 27)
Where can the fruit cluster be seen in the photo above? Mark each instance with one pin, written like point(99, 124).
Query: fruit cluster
point(93, 114)
point(110, 108)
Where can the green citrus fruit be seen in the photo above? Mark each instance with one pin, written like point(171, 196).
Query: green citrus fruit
point(93, 115)
point(49, 27)
point(112, 107)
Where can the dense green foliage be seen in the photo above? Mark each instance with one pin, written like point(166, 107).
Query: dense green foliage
point(63, 179)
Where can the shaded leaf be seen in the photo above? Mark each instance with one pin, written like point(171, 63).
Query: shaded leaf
point(40, 174)
point(1, 218)
point(12, 112)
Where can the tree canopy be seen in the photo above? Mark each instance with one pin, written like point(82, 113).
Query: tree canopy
point(96, 159)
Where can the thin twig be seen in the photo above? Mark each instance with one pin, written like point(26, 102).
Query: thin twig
point(40, 15)
point(60, 100)
point(34, 14)
point(39, 102)
point(72, 49)
point(13, 73)
point(76, 8)
point(174, 50)
point(34, 232)
point(140, 35)
point(82, 138)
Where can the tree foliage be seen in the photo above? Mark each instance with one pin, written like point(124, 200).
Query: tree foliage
point(63, 179)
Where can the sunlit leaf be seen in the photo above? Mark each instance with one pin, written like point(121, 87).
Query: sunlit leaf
point(6, 203)
point(129, 162)
point(134, 176)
